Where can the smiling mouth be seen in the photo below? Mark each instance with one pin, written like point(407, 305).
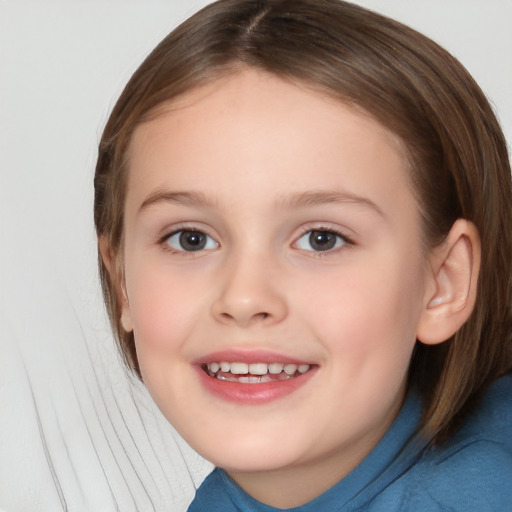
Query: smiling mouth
point(254, 373)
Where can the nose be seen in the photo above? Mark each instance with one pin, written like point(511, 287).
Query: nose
point(250, 293)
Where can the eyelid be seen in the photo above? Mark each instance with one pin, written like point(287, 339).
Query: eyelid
point(208, 244)
point(341, 234)
point(162, 240)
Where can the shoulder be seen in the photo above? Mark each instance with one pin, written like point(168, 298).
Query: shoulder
point(475, 476)
point(493, 418)
point(473, 470)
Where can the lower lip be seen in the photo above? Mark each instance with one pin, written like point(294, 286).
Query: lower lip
point(252, 394)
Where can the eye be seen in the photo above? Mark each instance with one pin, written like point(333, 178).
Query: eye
point(320, 240)
point(190, 240)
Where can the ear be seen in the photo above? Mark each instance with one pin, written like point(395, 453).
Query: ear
point(452, 287)
point(114, 268)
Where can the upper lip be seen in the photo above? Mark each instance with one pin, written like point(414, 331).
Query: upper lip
point(249, 356)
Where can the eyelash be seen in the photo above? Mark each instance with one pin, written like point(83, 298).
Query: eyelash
point(163, 241)
point(346, 241)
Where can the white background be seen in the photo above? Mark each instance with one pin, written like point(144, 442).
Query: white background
point(74, 434)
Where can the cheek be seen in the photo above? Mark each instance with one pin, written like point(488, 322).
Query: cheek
point(163, 307)
point(369, 312)
point(165, 311)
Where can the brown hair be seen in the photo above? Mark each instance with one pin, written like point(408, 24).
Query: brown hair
point(457, 154)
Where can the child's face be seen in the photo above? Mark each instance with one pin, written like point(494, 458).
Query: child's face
point(267, 224)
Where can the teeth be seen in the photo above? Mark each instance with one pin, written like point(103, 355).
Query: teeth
point(275, 368)
point(255, 371)
point(239, 368)
point(290, 369)
point(258, 369)
point(250, 380)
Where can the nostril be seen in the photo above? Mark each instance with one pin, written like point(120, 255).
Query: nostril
point(261, 316)
point(245, 318)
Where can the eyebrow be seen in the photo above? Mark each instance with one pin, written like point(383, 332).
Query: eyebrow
point(320, 197)
point(184, 198)
point(289, 201)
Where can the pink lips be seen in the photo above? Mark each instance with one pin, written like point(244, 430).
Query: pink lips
point(253, 393)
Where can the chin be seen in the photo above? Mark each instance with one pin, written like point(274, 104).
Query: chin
point(249, 456)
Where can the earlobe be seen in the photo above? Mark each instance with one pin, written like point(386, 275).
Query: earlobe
point(117, 279)
point(452, 289)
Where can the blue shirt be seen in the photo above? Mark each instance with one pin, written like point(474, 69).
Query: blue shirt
point(472, 472)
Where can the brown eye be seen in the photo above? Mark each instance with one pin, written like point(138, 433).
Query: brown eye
point(191, 240)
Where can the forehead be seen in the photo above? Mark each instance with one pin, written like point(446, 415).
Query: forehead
point(241, 130)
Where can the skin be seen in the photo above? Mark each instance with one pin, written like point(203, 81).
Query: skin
point(264, 162)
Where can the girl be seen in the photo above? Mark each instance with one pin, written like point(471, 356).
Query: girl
point(304, 214)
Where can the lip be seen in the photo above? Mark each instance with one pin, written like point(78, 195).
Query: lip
point(251, 394)
point(252, 356)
